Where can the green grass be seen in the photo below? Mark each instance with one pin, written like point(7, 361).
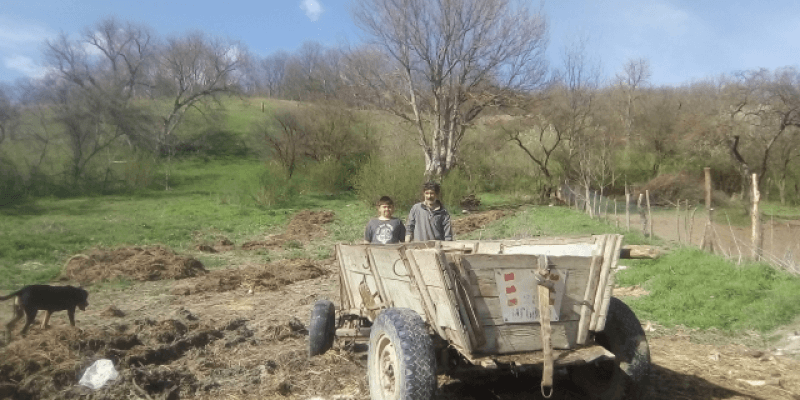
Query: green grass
point(214, 198)
point(699, 290)
point(550, 221)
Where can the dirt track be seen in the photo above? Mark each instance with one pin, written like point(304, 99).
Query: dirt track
point(245, 340)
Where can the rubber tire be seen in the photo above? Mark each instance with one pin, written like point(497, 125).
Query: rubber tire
point(322, 329)
point(399, 341)
point(627, 377)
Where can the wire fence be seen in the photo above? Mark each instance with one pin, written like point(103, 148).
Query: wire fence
point(682, 223)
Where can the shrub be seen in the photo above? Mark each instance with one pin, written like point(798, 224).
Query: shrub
point(276, 188)
point(400, 179)
point(455, 187)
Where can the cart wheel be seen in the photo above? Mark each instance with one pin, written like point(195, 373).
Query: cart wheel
point(322, 328)
point(626, 377)
point(401, 361)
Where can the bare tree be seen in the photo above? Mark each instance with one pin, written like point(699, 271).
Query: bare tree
point(9, 112)
point(450, 61)
point(634, 76)
point(274, 69)
point(286, 139)
point(193, 70)
point(93, 85)
point(764, 107)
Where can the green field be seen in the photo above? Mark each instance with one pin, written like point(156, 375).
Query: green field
point(217, 198)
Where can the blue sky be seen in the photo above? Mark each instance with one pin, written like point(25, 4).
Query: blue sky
point(682, 40)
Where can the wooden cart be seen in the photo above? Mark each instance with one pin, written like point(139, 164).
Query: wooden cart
point(463, 306)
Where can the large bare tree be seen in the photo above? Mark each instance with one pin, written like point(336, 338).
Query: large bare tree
point(93, 85)
point(193, 70)
point(635, 76)
point(450, 60)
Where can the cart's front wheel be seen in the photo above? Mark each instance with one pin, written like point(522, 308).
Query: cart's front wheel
point(401, 361)
point(626, 377)
point(322, 329)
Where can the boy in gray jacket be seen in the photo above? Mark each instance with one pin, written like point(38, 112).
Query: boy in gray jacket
point(429, 220)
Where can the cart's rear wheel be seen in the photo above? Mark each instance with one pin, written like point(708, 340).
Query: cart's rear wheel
point(626, 377)
point(322, 329)
point(401, 361)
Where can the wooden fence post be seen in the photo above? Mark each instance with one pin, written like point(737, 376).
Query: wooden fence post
point(649, 214)
point(642, 214)
point(678, 220)
point(708, 233)
point(627, 207)
point(756, 220)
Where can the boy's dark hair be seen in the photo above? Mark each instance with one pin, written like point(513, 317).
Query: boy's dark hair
point(431, 185)
point(385, 200)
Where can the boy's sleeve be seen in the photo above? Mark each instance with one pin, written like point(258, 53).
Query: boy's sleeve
point(401, 231)
point(368, 232)
point(448, 229)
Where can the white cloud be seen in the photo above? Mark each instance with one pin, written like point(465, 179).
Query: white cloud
point(25, 65)
point(312, 8)
point(14, 33)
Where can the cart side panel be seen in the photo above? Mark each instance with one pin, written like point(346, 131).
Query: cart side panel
point(354, 269)
point(396, 279)
point(437, 282)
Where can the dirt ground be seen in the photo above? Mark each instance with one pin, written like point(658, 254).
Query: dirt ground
point(240, 333)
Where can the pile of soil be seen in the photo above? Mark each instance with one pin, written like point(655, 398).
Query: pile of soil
point(268, 277)
point(136, 263)
point(305, 226)
point(166, 358)
point(219, 246)
point(473, 222)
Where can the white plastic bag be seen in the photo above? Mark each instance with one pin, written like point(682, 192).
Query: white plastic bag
point(98, 374)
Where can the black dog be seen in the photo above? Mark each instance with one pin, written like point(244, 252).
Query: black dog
point(30, 299)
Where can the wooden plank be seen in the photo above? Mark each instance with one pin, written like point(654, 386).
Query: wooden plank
point(601, 319)
point(385, 298)
point(354, 279)
point(345, 294)
point(608, 258)
point(591, 290)
point(548, 240)
point(489, 247)
point(428, 262)
point(505, 339)
point(354, 258)
point(583, 355)
point(430, 309)
point(572, 249)
point(489, 312)
point(482, 282)
point(403, 296)
point(522, 261)
point(444, 315)
point(388, 262)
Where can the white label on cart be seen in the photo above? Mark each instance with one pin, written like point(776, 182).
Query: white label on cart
point(517, 290)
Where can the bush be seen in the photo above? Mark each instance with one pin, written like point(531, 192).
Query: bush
point(400, 179)
point(139, 171)
point(331, 175)
point(12, 189)
point(276, 188)
point(455, 187)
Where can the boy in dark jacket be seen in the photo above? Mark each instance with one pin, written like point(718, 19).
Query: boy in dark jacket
point(428, 219)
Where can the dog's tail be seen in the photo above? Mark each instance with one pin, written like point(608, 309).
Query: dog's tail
point(3, 298)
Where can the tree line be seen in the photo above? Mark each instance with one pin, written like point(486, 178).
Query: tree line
point(468, 78)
